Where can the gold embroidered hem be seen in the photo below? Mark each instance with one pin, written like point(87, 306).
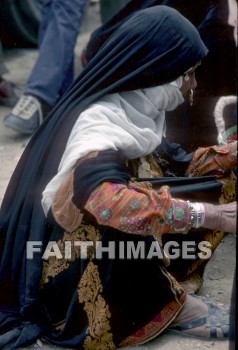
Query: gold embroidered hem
point(90, 294)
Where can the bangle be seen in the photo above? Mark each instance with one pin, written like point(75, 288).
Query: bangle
point(197, 213)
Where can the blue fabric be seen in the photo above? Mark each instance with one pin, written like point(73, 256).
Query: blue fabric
point(155, 46)
point(53, 71)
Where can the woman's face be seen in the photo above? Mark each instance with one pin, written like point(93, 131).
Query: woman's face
point(189, 80)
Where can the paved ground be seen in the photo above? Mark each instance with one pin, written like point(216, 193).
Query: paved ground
point(219, 273)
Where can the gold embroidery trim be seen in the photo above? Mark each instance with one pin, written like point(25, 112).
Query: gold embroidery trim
point(89, 292)
point(53, 266)
point(229, 191)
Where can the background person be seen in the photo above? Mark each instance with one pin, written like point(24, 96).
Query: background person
point(53, 71)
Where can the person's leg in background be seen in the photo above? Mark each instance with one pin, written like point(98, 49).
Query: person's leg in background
point(52, 73)
point(8, 93)
point(60, 27)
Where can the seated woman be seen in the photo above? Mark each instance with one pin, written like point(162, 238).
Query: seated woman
point(75, 213)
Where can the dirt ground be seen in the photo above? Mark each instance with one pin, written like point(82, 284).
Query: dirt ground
point(220, 270)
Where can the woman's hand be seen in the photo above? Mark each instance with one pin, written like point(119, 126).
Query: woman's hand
point(221, 217)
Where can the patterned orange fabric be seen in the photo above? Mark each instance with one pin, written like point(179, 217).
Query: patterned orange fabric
point(138, 210)
point(213, 160)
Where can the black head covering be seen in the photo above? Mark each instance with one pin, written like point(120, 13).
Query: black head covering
point(153, 47)
point(196, 12)
point(210, 17)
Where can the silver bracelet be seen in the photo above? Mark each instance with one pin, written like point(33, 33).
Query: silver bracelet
point(197, 214)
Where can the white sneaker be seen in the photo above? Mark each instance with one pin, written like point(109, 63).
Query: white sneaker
point(26, 116)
